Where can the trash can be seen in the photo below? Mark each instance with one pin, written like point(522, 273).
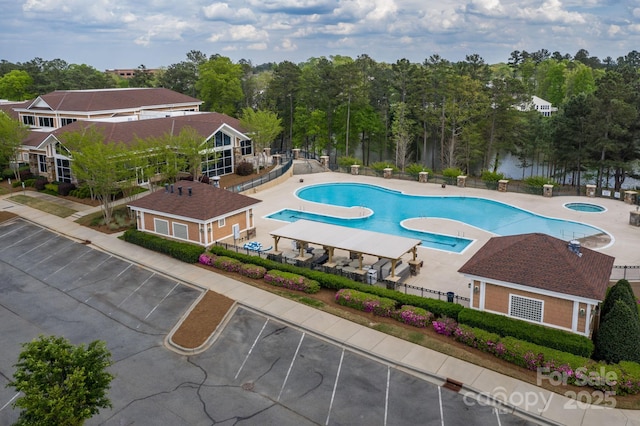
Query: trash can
point(450, 296)
point(372, 276)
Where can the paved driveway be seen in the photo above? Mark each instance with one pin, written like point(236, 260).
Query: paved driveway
point(259, 371)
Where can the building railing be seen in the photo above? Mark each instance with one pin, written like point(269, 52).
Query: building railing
point(272, 175)
point(625, 272)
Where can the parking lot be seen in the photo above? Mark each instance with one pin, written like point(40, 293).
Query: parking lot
point(259, 370)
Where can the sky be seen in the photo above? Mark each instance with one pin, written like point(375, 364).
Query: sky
point(110, 34)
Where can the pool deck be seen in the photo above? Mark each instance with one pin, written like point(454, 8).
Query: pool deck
point(440, 268)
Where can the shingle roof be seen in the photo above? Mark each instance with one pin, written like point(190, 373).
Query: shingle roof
point(114, 99)
point(127, 131)
point(206, 202)
point(544, 262)
point(10, 108)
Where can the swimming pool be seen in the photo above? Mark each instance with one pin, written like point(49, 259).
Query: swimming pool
point(389, 208)
point(585, 207)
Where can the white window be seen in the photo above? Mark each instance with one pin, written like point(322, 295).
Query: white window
point(181, 231)
point(221, 223)
point(526, 308)
point(42, 163)
point(161, 226)
point(45, 121)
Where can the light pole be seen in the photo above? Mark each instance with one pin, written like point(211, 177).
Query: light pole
point(348, 115)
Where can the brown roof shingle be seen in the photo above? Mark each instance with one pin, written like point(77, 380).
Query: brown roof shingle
point(114, 99)
point(544, 262)
point(205, 202)
point(127, 131)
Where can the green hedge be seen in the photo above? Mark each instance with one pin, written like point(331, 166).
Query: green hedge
point(185, 252)
point(522, 330)
point(335, 282)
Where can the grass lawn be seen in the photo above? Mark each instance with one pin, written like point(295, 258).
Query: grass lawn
point(45, 206)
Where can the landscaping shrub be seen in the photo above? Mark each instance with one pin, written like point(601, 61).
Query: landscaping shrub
point(348, 161)
point(451, 174)
point(207, 259)
point(380, 306)
point(185, 252)
point(379, 166)
point(40, 183)
point(244, 168)
point(534, 333)
point(411, 315)
point(415, 169)
point(30, 183)
point(51, 188)
point(225, 263)
point(64, 188)
point(618, 338)
point(535, 184)
point(621, 290)
point(252, 271)
point(291, 281)
point(82, 192)
point(444, 325)
point(8, 173)
point(491, 179)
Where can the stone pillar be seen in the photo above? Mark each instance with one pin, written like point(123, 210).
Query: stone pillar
point(296, 153)
point(277, 159)
point(387, 173)
point(547, 190)
point(502, 185)
point(630, 197)
point(423, 177)
point(634, 218)
point(591, 191)
point(462, 181)
point(324, 160)
point(355, 169)
point(267, 152)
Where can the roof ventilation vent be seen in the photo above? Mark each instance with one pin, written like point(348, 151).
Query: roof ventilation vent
point(574, 246)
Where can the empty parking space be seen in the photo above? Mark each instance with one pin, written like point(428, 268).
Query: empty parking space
point(330, 384)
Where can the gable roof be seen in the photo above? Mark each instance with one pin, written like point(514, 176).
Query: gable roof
point(206, 202)
point(110, 99)
point(206, 124)
point(544, 262)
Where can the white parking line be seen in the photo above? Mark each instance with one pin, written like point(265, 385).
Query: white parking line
point(386, 396)
point(36, 247)
point(69, 263)
point(335, 386)
point(88, 272)
point(251, 349)
point(19, 241)
point(9, 402)
point(160, 302)
point(295, 355)
point(136, 290)
point(441, 410)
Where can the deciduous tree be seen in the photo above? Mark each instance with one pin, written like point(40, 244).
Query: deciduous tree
point(61, 384)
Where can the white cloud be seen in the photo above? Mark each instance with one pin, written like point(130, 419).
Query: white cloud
point(222, 12)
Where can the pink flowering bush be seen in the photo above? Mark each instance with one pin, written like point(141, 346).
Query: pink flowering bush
point(380, 306)
point(207, 259)
point(252, 271)
point(228, 264)
point(291, 281)
point(444, 325)
point(414, 316)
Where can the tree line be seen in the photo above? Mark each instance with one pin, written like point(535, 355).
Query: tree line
point(438, 114)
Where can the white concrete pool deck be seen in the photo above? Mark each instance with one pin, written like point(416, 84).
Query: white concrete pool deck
point(440, 268)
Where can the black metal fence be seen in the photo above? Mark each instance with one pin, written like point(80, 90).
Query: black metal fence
point(626, 272)
point(253, 183)
point(475, 182)
point(449, 296)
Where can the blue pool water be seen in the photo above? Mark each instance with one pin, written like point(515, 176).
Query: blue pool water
point(390, 208)
point(585, 207)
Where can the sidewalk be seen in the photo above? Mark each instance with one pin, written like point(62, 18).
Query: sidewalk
point(526, 400)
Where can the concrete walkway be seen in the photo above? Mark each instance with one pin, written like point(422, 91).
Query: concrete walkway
point(482, 385)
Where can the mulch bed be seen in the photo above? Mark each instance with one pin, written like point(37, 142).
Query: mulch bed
point(202, 321)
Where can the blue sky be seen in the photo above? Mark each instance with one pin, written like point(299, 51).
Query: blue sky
point(126, 33)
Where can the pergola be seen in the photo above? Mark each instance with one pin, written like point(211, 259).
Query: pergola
point(357, 241)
